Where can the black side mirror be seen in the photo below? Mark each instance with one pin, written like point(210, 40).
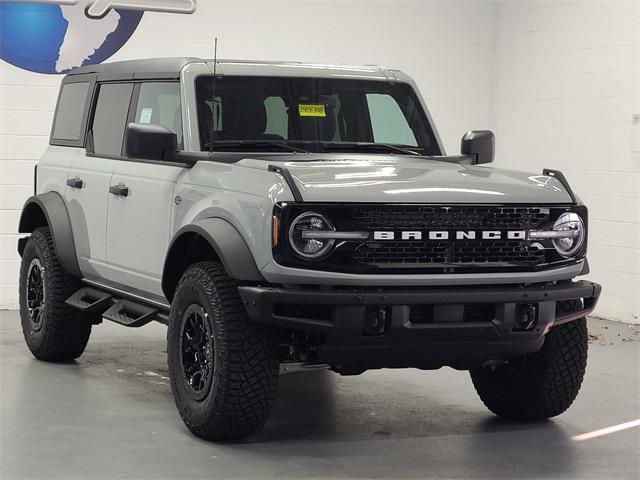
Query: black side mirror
point(479, 145)
point(149, 141)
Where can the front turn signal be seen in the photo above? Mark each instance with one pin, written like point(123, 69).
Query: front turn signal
point(275, 231)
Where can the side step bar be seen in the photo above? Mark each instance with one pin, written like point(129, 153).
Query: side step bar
point(89, 299)
point(116, 308)
point(130, 314)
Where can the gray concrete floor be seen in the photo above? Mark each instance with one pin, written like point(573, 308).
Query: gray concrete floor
point(111, 415)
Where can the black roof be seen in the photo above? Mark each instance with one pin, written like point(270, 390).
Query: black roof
point(149, 68)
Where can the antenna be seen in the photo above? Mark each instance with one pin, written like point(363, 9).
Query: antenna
point(213, 93)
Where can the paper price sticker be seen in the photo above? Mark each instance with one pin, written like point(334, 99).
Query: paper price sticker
point(311, 110)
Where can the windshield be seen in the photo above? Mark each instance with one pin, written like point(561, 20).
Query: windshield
point(312, 114)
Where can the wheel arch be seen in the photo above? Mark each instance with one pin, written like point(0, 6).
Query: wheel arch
point(48, 210)
point(208, 239)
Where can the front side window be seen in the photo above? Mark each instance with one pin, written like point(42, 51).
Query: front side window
point(159, 103)
point(110, 118)
point(312, 113)
point(388, 123)
point(69, 114)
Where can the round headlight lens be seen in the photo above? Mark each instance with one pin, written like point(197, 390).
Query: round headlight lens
point(569, 221)
point(310, 248)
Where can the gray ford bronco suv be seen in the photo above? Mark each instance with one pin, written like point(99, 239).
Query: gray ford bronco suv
point(279, 216)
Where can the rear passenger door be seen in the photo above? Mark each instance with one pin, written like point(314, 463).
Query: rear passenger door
point(138, 224)
point(87, 193)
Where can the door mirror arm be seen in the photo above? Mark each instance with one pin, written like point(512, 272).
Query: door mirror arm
point(189, 159)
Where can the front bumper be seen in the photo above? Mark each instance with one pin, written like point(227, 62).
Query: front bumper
point(276, 273)
point(425, 327)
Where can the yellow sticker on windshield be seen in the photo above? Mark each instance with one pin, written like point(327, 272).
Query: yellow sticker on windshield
point(311, 110)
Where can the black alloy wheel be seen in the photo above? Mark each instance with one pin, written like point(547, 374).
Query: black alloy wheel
point(35, 294)
point(196, 351)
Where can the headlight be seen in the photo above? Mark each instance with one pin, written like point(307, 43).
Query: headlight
point(571, 224)
point(310, 248)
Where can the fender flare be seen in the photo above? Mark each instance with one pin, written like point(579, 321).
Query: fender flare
point(52, 207)
point(224, 239)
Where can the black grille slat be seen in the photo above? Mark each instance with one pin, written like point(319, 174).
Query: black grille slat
point(478, 312)
point(377, 218)
point(487, 251)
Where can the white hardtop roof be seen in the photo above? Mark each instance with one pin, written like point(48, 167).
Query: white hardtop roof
point(170, 67)
point(306, 69)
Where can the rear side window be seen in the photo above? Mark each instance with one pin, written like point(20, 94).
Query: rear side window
point(68, 121)
point(159, 103)
point(110, 118)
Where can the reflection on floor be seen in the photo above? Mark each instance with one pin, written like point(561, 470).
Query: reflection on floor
point(111, 415)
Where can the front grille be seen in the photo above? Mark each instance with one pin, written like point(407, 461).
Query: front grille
point(447, 254)
point(411, 253)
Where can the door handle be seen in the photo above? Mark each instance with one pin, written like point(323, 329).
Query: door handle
point(75, 182)
point(120, 190)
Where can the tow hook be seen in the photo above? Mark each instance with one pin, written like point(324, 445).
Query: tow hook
point(527, 319)
point(376, 320)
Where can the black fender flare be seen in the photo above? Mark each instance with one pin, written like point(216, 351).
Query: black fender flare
point(49, 208)
point(225, 240)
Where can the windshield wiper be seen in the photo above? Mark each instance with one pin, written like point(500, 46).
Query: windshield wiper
point(367, 146)
point(234, 144)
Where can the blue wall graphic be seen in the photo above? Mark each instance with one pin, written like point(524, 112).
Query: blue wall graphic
point(50, 38)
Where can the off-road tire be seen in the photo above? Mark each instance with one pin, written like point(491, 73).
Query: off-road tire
point(540, 385)
point(63, 332)
point(245, 358)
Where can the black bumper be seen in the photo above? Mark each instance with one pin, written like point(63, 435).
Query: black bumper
point(423, 327)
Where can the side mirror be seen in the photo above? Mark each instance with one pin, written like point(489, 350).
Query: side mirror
point(479, 144)
point(149, 141)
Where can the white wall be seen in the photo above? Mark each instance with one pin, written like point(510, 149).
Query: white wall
point(433, 42)
point(567, 85)
point(513, 66)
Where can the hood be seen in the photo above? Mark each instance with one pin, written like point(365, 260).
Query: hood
point(403, 179)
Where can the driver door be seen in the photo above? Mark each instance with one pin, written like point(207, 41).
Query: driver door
point(142, 201)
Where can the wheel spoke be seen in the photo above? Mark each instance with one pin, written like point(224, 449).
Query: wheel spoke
point(195, 342)
point(35, 293)
point(196, 350)
point(192, 369)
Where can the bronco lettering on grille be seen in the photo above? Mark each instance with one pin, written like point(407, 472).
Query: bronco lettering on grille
point(449, 235)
